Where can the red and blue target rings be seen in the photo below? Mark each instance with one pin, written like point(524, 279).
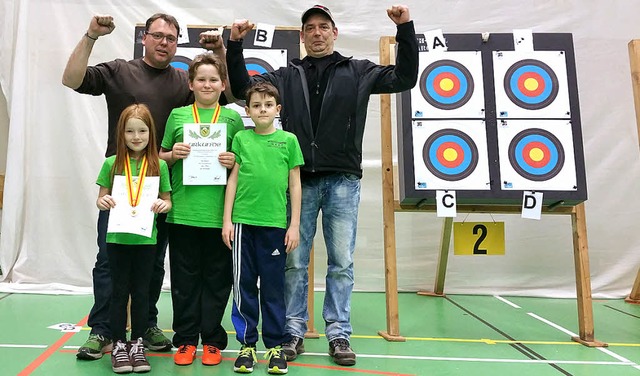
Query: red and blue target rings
point(531, 84)
point(536, 154)
point(257, 66)
point(450, 154)
point(446, 84)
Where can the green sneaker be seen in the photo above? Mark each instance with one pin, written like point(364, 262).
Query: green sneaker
point(155, 340)
point(95, 346)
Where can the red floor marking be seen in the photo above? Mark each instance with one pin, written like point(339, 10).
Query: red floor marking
point(50, 350)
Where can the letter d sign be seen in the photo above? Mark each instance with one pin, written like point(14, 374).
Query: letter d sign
point(532, 205)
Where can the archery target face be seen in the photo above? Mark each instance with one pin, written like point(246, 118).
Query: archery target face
point(531, 84)
point(536, 155)
point(259, 61)
point(450, 155)
point(450, 85)
point(184, 56)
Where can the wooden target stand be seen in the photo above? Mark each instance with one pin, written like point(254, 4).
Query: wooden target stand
point(390, 205)
point(634, 60)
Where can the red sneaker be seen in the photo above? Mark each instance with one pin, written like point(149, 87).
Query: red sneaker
point(211, 355)
point(185, 355)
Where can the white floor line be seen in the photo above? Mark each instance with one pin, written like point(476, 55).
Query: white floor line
point(602, 349)
point(506, 301)
point(623, 361)
point(8, 346)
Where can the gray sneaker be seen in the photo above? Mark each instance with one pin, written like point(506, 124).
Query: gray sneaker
point(341, 352)
point(292, 348)
point(95, 346)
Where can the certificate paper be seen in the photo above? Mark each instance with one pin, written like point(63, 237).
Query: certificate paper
point(125, 218)
point(207, 141)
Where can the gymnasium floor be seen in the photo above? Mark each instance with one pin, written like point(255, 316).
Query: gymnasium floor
point(455, 335)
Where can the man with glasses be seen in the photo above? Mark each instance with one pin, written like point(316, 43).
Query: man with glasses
point(152, 81)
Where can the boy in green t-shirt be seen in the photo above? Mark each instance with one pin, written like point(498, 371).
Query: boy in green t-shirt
point(255, 227)
point(201, 274)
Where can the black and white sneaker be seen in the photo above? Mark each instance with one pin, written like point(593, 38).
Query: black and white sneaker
point(246, 360)
point(277, 361)
point(139, 361)
point(120, 361)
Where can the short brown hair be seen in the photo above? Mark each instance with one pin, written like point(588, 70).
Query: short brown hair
point(263, 88)
point(207, 58)
point(166, 17)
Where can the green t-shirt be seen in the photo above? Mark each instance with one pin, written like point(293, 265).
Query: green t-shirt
point(263, 177)
point(104, 180)
point(196, 205)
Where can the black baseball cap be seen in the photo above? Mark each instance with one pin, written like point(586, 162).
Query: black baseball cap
point(317, 9)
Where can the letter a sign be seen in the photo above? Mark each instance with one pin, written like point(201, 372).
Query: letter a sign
point(435, 40)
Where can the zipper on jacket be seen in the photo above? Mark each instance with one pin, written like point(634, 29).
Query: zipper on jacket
point(314, 146)
point(346, 135)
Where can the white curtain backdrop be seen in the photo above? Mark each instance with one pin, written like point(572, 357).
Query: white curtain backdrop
point(57, 139)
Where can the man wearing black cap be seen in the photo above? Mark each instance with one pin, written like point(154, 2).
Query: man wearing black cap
point(324, 102)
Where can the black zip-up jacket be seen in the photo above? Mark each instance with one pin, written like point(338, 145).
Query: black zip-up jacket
point(337, 144)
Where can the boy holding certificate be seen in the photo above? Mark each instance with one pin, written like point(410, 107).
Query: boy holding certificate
point(201, 274)
point(255, 227)
point(146, 187)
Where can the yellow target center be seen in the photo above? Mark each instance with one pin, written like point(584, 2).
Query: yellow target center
point(446, 84)
point(531, 84)
point(536, 154)
point(450, 154)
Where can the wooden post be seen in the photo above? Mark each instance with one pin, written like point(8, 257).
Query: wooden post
point(634, 59)
point(583, 279)
point(388, 216)
point(311, 329)
point(1, 190)
point(443, 258)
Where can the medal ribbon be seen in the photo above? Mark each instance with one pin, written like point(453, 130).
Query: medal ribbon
point(135, 192)
point(196, 116)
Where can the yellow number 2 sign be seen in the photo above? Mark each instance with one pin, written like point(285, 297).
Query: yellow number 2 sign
point(478, 238)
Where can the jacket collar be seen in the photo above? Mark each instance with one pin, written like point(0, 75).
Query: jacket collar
point(336, 57)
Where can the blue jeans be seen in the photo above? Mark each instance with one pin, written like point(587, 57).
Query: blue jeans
point(338, 197)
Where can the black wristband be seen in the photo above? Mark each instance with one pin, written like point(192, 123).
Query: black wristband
point(89, 36)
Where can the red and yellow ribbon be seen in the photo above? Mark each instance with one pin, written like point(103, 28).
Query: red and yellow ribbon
point(135, 190)
point(214, 118)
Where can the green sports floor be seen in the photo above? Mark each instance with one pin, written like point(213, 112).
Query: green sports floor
point(454, 335)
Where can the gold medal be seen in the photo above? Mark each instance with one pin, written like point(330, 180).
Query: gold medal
point(134, 212)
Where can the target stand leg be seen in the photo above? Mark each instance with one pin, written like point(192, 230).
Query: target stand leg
point(592, 343)
point(390, 337)
point(583, 279)
point(443, 259)
point(311, 329)
point(634, 296)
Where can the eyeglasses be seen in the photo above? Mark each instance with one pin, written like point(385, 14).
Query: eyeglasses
point(159, 36)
